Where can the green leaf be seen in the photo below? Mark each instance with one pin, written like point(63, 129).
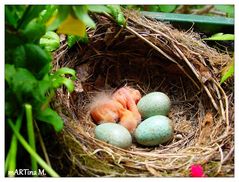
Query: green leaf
point(98, 8)
point(13, 13)
point(221, 36)
point(42, 88)
point(10, 71)
point(34, 31)
point(30, 13)
point(11, 103)
point(63, 71)
point(47, 13)
point(64, 81)
point(32, 57)
point(167, 8)
point(11, 19)
point(37, 60)
point(23, 82)
point(12, 40)
point(72, 39)
point(55, 21)
point(58, 78)
point(51, 117)
point(50, 41)
point(19, 57)
point(228, 73)
point(117, 14)
point(81, 12)
point(229, 9)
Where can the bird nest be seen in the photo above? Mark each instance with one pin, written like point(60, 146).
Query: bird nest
point(150, 56)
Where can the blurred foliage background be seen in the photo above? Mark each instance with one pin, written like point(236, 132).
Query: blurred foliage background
point(210, 10)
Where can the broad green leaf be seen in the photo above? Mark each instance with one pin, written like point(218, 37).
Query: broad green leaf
point(42, 87)
point(117, 14)
point(34, 31)
point(229, 9)
point(228, 72)
point(63, 71)
point(50, 41)
point(72, 26)
point(10, 71)
point(51, 117)
point(54, 22)
point(32, 57)
point(221, 36)
point(64, 81)
point(167, 8)
point(19, 57)
point(72, 39)
point(47, 13)
point(37, 60)
point(58, 78)
point(13, 13)
point(11, 103)
point(98, 8)
point(10, 17)
point(12, 40)
point(81, 12)
point(31, 12)
point(23, 83)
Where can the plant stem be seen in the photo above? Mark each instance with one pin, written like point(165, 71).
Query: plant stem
point(28, 148)
point(48, 100)
point(10, 162)
point(31, 135)
point(42, 144)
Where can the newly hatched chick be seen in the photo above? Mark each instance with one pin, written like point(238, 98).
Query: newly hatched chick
point(119, 106)
point(105, 109)
point(129, 97)
point(128, 120)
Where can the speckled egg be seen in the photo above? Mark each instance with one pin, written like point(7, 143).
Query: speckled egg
point(154, 103)
point(154, 131)
point(113, 134)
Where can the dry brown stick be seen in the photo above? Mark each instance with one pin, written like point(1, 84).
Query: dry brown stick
point(42, 144)
point(226, 103)
point(151, 44)
point(198, 77)
point(185, 9)
point(221, 159)
point(220, 101)
point(215, 12)
point(228, 155)
point(203, 10)
point(115, 37)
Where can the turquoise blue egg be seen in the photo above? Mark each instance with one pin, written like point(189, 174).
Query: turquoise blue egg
point(154, 103)
point(154, 131)
point(113, 134)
